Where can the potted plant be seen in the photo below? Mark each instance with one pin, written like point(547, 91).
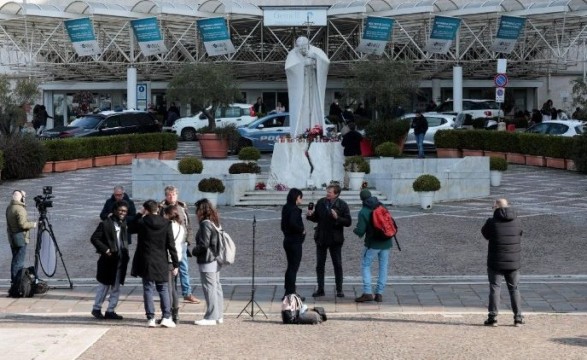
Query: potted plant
point(249, 153)
point(497, 166)
point(210, 188)
point(448, 144)
point(388, 149)
point(356, 168)
point(245, 171)
point(426, 185)
point(380, 131)
point(190, 165)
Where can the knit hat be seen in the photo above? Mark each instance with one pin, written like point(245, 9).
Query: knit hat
point(365, 194)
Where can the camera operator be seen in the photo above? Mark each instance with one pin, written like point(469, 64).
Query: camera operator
point(18, 227)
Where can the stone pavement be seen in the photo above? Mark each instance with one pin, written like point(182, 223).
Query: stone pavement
point(439, 272)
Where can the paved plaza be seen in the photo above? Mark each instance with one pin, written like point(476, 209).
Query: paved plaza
point(433, 306)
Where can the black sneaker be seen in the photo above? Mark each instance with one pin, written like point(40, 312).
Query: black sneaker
point(97, 314)
point(519, 320)
point(318, 293)
point(378, 298)
point(339, 294)
point(112, 315)
point(491, 321)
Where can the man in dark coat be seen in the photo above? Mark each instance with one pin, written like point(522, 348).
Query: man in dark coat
point(351, 141)
point(109, 239)
point(503, 232)
point(118, 194)
point(420, 125)
point(155, 242)
point(332, 214)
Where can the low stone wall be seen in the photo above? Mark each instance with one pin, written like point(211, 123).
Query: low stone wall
point(150, 177)
point(460, 179)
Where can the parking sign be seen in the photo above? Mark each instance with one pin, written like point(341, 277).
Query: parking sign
point(499, 94)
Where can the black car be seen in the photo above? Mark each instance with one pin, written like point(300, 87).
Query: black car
point(106, 123)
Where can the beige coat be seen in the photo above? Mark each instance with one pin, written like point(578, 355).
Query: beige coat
point(16, 220)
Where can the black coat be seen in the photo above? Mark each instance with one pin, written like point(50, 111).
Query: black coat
point(420, 125)
point(155, 241)
point(330, 231)
point(351, 142)
point(104, 239)
point(504, 233)
point(108, 207)
point(292, 224)
point(206, 243)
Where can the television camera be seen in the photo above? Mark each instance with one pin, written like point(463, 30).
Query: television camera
point(42, 202)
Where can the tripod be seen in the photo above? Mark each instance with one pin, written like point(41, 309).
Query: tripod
point(252, 301)
point(44, 248)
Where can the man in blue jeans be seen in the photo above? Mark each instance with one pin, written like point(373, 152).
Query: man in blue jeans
point(18, 227)
point(375, 247)
point(171, 198)
point(420, 125)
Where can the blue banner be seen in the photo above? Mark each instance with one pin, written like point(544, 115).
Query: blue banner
point(148, 35)
point(215, 36)
point(376, 33)
point(510, 28)
point(81, 34)
point(443, 32)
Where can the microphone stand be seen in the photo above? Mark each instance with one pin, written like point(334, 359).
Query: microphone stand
point(252, 301)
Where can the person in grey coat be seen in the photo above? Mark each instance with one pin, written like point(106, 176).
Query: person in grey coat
point(503, 232)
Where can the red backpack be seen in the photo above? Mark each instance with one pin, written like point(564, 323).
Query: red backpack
point(383, 223)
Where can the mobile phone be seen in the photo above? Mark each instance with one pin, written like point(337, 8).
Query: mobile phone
point(311, 206)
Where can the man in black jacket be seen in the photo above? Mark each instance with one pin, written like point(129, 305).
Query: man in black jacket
point(504, 233)
point(420, 125)
point(110, 241)
point(118, 194)
point(332, 214)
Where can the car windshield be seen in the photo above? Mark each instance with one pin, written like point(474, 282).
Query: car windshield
point(86, 122)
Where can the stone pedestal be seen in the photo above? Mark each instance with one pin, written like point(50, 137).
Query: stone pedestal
point(290, 165)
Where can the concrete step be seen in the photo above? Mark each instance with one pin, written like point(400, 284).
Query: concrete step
point(277, 198)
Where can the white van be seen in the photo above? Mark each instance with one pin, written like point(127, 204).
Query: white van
point(477, 108)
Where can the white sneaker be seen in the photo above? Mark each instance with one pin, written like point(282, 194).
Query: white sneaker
point(220, 321)
point(205, 322)
point(151, 323)
point(168, 323)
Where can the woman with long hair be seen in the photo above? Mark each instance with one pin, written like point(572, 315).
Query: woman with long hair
point(205, 252)
point(171, 213)
point(294, 234)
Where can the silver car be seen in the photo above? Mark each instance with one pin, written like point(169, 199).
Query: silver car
point(436, 122)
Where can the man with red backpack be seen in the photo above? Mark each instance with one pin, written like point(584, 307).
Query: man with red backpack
point(377, 245)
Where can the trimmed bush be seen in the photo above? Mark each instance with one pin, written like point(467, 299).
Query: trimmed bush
point(23, 157)
point(533, 144)
point(448, 139)
point(388, 149)
point(426, 182)
point(190, 165)
point(380, 131)
point(500, 141)
point(497, 164)
point(168, 141)
point(357, 164)
point(473, 139)
point(244, 168)
point(211, 185)
point(559, 147)
point(249, 153)
point(579, 153)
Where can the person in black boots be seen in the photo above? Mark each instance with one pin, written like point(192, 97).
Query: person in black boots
point(332, 214)
point(294, 234)
point(503, 232)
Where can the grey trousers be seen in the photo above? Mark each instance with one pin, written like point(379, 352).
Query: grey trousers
point(213, 294)
point(102, 291)
point(512, 278)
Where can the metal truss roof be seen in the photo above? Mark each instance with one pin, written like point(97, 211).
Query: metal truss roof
point(33, 40)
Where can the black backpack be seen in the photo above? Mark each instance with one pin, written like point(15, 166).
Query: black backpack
point(24, 286)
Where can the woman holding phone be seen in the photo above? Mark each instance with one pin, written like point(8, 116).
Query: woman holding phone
point(294, 234)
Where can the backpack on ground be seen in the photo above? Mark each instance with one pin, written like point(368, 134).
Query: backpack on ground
point(291, 305)
point(24, 286)
point(384, 225)
point(226, 250)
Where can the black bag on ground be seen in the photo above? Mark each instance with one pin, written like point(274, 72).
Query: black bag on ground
point(25, 283)
point(309, 318)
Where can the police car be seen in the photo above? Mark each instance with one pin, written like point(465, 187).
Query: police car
point(264, 132)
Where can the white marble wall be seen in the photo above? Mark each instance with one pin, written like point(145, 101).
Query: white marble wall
point(460, 179)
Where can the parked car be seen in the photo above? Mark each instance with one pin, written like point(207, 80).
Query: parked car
point(106, 123)
point(558, 127)
point(477, 108)
point(436, 122)
point(237, 114)
point(263, 132)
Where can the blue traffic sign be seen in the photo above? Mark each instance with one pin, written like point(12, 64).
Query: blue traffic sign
point(500, 80)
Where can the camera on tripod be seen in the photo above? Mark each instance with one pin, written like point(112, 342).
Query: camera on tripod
point(42, 202)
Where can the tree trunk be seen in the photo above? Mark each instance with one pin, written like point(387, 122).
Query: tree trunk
point(210, 115)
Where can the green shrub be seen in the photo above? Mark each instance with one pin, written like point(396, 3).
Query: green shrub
point(579, 152)
point(388, 149)
point(168, 141)
point(501, 141)
point(448, 139)
point(190, 165)
point(479, 123)
point(23, 157)
point(559, 147)
point(249, 153)
point(533, 144)
point(63, 149)
point(380, 131)
point(426, 182)
point(497, 164)
point(244, 168)
point(473, 139)
point(357, 164)
point(211, 185)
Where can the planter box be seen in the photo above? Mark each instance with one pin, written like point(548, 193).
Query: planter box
point(85, 163)
point(555, 163)
point(109, 160)
point(535, 160)
point(516, 158)
point(124, 159)
point(448, 153)
point(497, 154)
point(65, 165)
point(213, 147)
point(148, 155)
point(570, 165)
point(167, 155)
point(467, 152)
point(48, 167)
